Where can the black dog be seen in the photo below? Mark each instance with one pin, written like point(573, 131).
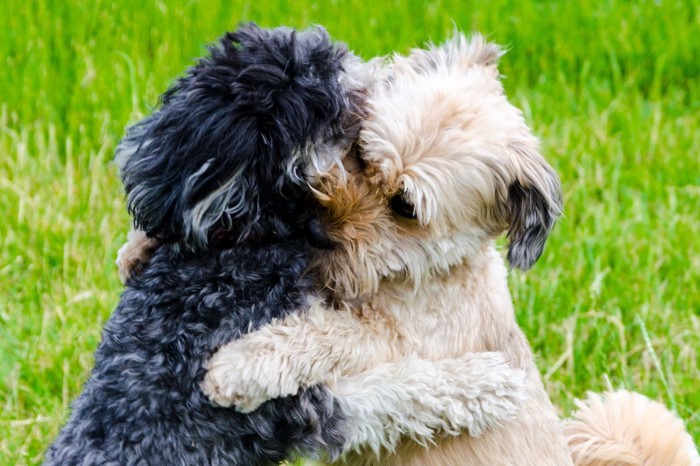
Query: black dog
point(216, 174)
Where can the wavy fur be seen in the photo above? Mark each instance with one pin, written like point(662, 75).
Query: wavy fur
point(209, 156)
point(216, 178)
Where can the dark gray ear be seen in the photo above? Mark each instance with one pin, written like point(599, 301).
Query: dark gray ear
point(534, 204)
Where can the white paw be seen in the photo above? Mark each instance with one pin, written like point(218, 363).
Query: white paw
point(223, 386)
point(245, 373)
point(491, 392)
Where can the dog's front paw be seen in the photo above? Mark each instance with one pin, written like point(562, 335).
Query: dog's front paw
point(226, 385)
point(418, 398)
point(490, 390)
point(249, 371)
point(223, 389)
point(134, 254)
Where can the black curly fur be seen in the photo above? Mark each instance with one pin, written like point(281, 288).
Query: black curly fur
point(240, 114)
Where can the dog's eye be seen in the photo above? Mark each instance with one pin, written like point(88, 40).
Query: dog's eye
point(402, 207)
point(358, 154)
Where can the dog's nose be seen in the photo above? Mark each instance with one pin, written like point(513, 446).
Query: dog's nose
point(316, 233)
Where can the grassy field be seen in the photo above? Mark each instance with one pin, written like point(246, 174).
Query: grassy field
point(612, 88)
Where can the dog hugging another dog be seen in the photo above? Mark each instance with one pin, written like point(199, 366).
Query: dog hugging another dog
point(314, 273)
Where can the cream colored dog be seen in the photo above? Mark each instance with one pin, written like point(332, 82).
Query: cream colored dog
point(444, 165)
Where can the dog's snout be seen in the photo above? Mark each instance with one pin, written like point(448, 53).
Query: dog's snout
point(316, 233)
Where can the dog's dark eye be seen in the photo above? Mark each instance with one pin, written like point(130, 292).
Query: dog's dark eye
point(402, 207)
point(358, 154)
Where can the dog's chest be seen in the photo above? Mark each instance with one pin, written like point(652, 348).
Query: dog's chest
point(448, 316)
point(436, 327)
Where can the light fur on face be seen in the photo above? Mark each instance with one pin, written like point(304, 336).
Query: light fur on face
point(441, 136)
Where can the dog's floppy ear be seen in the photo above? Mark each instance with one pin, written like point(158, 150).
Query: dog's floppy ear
point(182, 165)
point(533, 204)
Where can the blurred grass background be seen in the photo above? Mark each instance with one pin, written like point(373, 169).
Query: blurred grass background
point(612, 88)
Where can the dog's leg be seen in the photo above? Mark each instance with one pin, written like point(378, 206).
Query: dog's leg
point(419, 398)
point(383, 400)
point(134, 254)
point(304, 349)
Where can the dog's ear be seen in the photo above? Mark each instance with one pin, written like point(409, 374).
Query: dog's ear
point(533, 204)
point(178, 165)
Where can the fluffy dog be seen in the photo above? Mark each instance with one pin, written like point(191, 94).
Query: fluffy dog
point(444, 166)
point(214, 180)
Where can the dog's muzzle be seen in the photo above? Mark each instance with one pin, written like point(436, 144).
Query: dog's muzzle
point(316, 233)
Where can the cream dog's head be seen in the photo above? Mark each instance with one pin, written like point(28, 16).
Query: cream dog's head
point(444, 164)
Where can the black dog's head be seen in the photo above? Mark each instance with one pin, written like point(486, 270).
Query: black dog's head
point(227, 148)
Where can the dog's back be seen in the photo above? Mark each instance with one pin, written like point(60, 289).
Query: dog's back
point(626, 428)
point(142, 403)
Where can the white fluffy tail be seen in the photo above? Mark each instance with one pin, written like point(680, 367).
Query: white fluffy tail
point(625, 428)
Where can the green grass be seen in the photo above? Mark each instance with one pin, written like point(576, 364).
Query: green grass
point(612, 88)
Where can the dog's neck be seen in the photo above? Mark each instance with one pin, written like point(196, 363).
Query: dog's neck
point(467, 309)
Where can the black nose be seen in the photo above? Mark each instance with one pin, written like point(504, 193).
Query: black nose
point(316, 234)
